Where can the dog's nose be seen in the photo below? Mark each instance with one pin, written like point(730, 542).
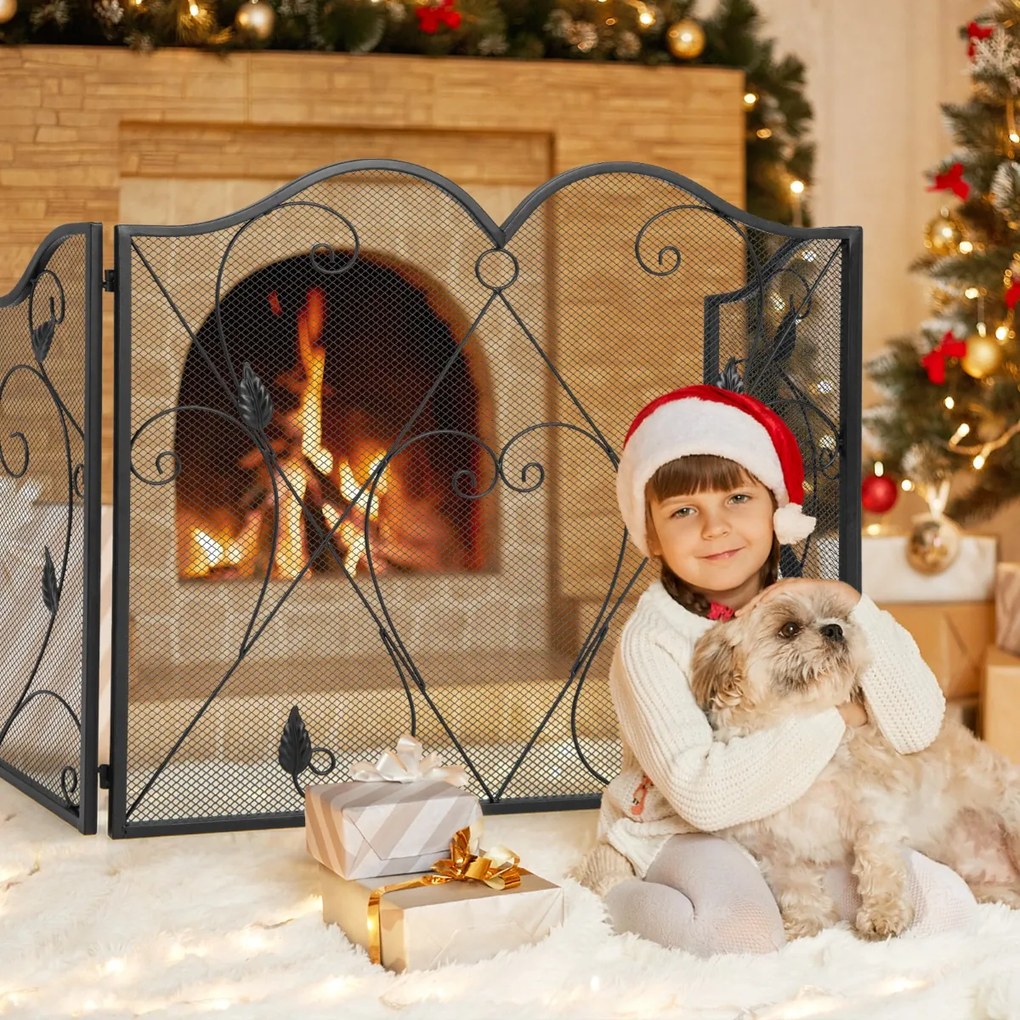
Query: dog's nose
point(833, 631)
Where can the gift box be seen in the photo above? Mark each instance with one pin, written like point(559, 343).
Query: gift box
point(888, 577)
point(1007, 607)
point(392, 817)
point(364, 830)
point(952, 638)
point(455, 922)
point(1000, 702)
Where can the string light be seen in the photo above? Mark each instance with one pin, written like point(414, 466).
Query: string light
point(750, 98)
point(796, 190)
point(966, 247)
point(962, 432)
point(907, 485)
point(971, 292)
point(1002, 333)
point(879, 469)
point(763, 133)
point(949, 403)
point(979, 462)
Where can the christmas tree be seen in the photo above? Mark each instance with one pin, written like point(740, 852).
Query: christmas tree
point(951, 400)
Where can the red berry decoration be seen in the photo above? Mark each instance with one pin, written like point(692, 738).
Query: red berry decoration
point(878, 493)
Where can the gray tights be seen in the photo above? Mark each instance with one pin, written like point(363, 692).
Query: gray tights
point(704, 895)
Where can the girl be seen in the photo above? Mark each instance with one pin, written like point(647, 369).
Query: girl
point(709, 484)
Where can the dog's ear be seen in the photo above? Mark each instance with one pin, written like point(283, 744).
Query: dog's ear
point(717, 670)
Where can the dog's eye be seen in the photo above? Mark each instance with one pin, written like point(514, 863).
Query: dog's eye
point(789, 630)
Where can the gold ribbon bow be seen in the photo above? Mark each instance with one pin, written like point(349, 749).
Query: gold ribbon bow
point(498, 868)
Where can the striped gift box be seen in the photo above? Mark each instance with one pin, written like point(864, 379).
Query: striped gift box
point(365, 830)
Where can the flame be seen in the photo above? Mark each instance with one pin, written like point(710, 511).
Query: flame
point(313, 360)
point(290, 546)
point(352, 531)
point(209, 551)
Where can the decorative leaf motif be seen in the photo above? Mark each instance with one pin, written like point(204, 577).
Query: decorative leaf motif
point(42, 338)
point(253, 400)
point(295, 745)
point(729, 378)
point(50, 591)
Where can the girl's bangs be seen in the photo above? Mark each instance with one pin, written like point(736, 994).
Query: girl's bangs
point(697, 473)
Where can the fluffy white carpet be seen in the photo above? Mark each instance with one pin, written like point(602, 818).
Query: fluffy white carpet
point(199, 925)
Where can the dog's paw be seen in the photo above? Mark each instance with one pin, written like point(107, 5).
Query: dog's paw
point(801, 927)
point(883, 922)
point(801, 924)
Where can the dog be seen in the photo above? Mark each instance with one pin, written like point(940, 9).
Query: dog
point(957, 801)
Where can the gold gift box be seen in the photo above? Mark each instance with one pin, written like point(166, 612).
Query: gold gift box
point(457, 922)
point(951, 637)
point(1000, 702)
point(364, 830)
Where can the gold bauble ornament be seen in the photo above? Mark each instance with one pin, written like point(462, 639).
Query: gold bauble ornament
point(255, 18)
point(8, 8)
point(933, 543)
point(983, 357)
point(943, 234)
point(685, 39)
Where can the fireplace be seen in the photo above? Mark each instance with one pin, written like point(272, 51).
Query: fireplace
point(354, 361)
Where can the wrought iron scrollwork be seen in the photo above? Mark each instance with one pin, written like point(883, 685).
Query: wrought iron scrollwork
point(42, 334)
point(296, 751)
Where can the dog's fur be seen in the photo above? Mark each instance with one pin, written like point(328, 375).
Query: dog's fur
point(957, 801)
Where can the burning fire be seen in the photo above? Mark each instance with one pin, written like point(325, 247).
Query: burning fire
point(313, 473)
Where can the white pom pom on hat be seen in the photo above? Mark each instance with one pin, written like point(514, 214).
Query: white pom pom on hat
point(710, 420)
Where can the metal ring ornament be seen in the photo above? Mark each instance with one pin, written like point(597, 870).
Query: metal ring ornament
point(500, 287)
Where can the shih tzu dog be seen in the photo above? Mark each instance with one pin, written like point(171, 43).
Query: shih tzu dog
point(957, 801)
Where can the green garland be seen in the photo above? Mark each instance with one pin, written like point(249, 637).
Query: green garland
point(632, 31)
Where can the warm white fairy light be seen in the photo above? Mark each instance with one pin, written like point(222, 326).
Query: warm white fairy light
point(750, 98)
point(978, 462)
point(907, 485)
point(949, 403)
point(972, 292)
point(879, 469)
point(797, 187)
point(966, 247)
point(1002, 332)
point(962, 431)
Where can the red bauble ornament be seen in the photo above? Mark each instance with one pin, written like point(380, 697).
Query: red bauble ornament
point(878, 493)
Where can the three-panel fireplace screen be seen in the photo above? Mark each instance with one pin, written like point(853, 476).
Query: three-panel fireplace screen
point(363, 478)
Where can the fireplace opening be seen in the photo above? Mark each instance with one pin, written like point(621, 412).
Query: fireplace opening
point(358, 352)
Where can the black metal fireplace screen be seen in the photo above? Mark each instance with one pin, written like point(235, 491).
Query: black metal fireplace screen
point(49, 523)
point(365, 449)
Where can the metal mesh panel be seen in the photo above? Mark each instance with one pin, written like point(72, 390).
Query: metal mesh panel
point(48, 334)
point(369, 449)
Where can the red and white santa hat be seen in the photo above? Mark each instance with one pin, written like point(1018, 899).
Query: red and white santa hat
point(711, 420)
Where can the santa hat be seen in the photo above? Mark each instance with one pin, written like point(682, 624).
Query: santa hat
point(710, 420)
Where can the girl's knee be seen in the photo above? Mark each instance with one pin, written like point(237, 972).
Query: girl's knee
point(744, 928)
point(942, 900)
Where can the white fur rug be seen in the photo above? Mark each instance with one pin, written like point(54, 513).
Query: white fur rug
point(193, 926)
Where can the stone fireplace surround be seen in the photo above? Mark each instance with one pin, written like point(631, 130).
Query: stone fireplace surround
point(154, 151)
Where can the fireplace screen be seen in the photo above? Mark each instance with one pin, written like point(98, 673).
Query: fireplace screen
point(366, 443)
point(49, 524)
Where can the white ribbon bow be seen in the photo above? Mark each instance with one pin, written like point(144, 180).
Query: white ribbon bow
point(407, 764)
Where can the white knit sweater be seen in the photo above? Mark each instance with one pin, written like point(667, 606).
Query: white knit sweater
point(700, 783)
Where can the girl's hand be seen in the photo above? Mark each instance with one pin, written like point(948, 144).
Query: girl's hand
point(853, 713)
point(838, 589)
